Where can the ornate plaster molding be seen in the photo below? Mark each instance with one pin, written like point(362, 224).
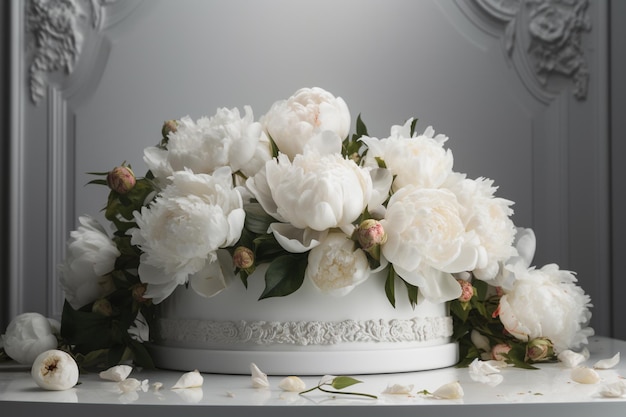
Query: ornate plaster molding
point(548, 35)
point(57, 30)
point(303, 333)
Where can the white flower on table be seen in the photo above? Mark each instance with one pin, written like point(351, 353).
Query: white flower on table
point(310, 115)
point(90, 257)
point(27, 336)
point(181, 232)
point(55, 370)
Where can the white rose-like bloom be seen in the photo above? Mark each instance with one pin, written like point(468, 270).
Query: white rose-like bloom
point(182, 230)
point(427, 241)
point(489, 218)
point(546, 302)
point(90, 257)
point(335, 267)
point(309, 195)
point(294, 122)
point(27, 336)
point(420, 160)
point(225, 139)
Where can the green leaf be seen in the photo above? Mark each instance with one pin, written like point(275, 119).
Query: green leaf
point(413, 124)
point(267, 248)
point(361, 129)
point(273, 146)
point(457, 310)
point(517, 356)
point(341, 382)
point(87, 330)
point(284, 275)
point(98, 182)
point(390, 288)
point(412, 293)
point(481, 289)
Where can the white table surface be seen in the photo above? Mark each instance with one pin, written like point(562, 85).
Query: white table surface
point(547, 391)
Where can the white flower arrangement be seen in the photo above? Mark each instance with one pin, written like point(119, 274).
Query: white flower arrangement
point(296, 191)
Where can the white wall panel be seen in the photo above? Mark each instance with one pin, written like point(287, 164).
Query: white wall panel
point(462, 66)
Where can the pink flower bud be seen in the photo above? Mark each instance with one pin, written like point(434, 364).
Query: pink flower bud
point(121, 179)
point(169, 126)
point(138, 292)
point(540, 349)
point(370, 234)
point(499, 350)
point(102, 306)
point(243, 258)
point(467, 290)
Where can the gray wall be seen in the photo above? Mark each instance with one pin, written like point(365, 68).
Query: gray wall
point(447, 63)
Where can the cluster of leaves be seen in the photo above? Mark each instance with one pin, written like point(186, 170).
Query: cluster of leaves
point(98, 336)
point(480, 314)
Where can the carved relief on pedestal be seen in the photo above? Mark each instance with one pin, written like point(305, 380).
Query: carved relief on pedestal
point(549, 34)
point(57, 30)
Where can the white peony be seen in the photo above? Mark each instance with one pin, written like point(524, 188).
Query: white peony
point(420, 160)
point(427, 241)
point(335, 267)
point(295, 122)
point(546, 302)
point(90, 257)
point(27, 336)
point(226, 139)
point(182, 230)
point(489, 218)
point(309, 195)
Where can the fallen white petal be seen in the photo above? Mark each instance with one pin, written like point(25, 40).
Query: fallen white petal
point(398, 389)
point(449, 391)
point(129, 385)
point(327, 379)
point(584, 375)
point(485, 372)
point(571, 359)
point(191, 379)
point(116, 373)
point(157, 386)
point(292, 384)
point(607, 363)
point(259, 379)
point(613, 390)
point(55, 370)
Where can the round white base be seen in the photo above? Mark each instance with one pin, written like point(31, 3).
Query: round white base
point(339, 362)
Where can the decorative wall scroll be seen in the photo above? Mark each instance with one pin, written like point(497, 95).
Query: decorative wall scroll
point(550, 32)
point(57, 30)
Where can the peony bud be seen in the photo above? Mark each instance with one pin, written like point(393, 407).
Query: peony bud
point(540, 349)
point(169, 126)
point(102, 306)
point(467, 291)
point(55, 370)
point(138, 291)
point(499, 351)
point(243, 258)
point(121, 179)
point(371, 235)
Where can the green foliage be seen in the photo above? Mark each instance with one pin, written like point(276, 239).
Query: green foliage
point(284, 275)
